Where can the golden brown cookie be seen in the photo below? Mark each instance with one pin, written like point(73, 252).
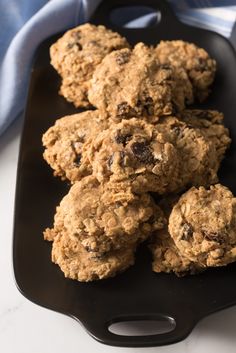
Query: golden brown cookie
point(133, 83)
point(76, 55)
point(203, 225)
point(199, 66)
point(63, 143)
point(211, 124)
point(105, 217)
point(135, 151)
point(78, 264)
point(202, 140)
point(165, 254)
point(164, 157)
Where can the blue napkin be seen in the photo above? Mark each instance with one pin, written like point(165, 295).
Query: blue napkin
point(25, 24)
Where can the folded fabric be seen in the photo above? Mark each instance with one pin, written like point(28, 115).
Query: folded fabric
point(25, 24)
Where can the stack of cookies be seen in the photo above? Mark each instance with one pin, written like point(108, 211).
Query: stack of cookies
point(132, 160)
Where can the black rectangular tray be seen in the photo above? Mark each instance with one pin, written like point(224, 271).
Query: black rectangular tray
point(138, 293)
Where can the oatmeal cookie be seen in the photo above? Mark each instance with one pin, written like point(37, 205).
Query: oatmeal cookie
point(63, 143)
point(105, 217)
point(76, 55)
point(133, 83)
point(203, 225)
point(166, 256)
point(211, 125)
point(136, 151)
point(202, 140)
point(200, 67)
point(76, 262)
point(166, 157)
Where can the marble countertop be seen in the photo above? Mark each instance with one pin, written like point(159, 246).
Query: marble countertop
point(26, 327)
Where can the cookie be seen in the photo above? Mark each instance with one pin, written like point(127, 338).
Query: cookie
point(77, 264)
point(199, 66)
point(166, 257)
point(132, 83)
point(173, 154)
point(211, 124)
point(135, 151)
point(105, 217)
point(76, 55)
point(202, 141)
point(203, 225)
point(63, 143)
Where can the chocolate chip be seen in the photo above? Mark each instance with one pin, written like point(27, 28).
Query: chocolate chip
point(123, 109)
point(139, 103)
point(187, 232)
point(122, 138)
point(122, 57)
point(142, 152)
point(148, 101)
point(148, 105)
point(78, 159)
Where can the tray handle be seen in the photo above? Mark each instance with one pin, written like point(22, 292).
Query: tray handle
point(102, 13)
point(182, 326)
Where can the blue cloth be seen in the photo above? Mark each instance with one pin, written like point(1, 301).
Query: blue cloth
point(26, 23)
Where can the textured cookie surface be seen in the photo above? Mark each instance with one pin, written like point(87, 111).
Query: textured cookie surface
point(199, 66)
point(165, 157)
point(105, 218)
point(202, 141)
point(63, 143)
point(203, 225)
point(211, 125)
point(78, 264)
point(166, 256)
point(76, 55)
point(133, 82)
point(136, 151)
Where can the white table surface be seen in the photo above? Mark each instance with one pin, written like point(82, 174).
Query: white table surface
point(28, 328)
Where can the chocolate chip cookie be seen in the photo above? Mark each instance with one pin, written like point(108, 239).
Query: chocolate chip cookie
point(106, 217)
point(199, 66)
point(131, 83)
point(203, 225)
point(63, 143)
point(76, 55)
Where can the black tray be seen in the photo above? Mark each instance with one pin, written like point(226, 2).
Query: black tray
point(138, 293)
